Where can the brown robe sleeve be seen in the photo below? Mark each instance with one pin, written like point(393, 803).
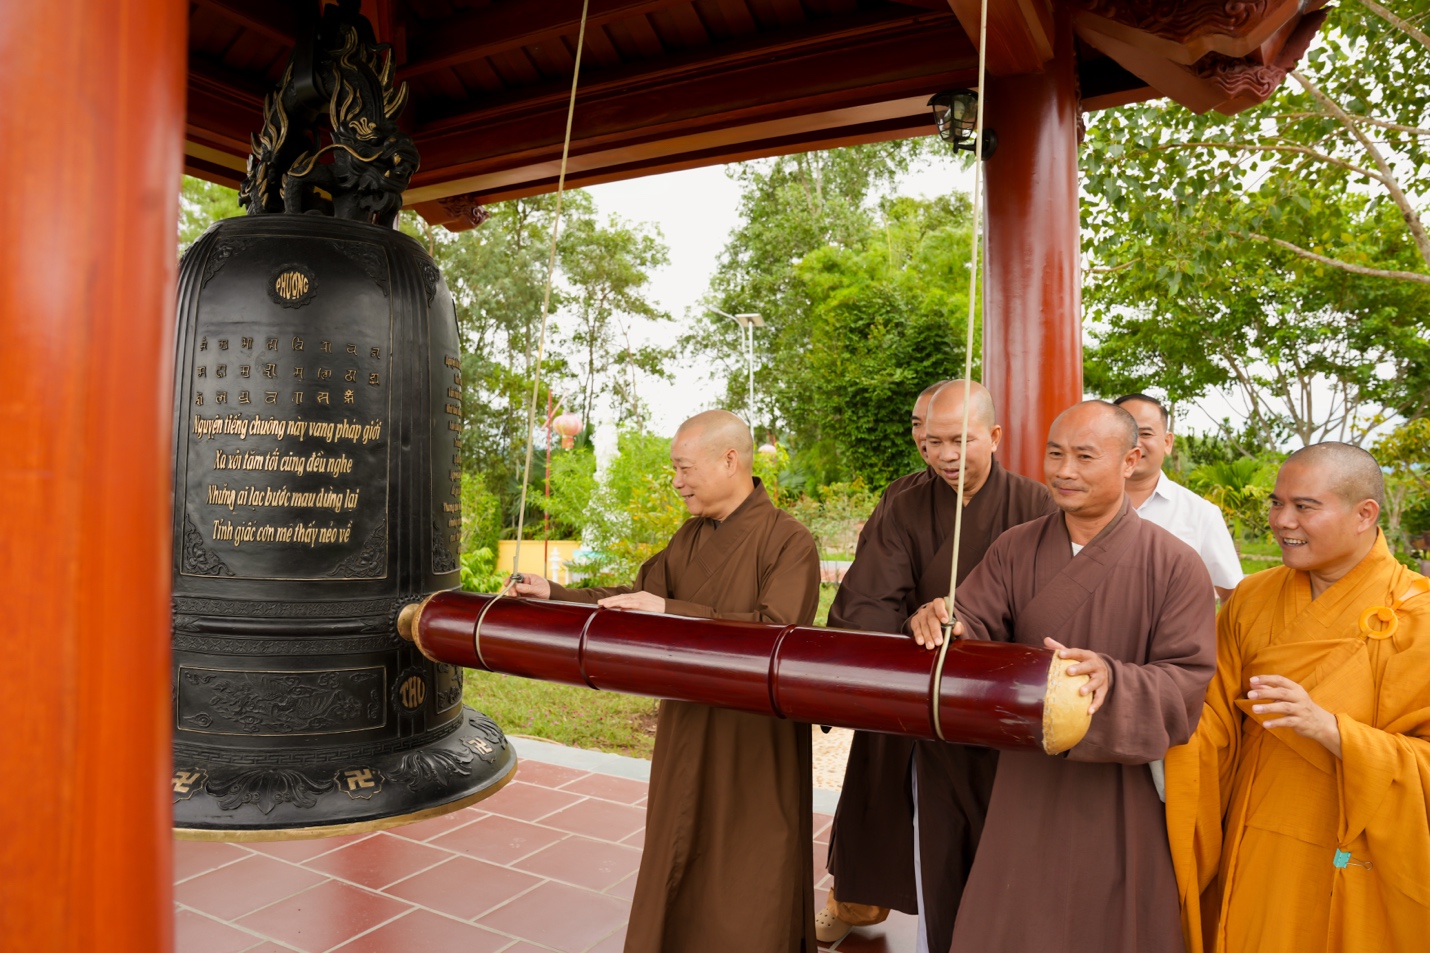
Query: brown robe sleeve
point(1155, 705)
point(873, 596)
point(789, 586)
point(983, 602)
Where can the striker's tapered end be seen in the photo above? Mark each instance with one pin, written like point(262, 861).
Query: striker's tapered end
point(1065, 717)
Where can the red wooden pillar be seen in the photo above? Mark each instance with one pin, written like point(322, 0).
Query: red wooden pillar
point(92, 133)
point(1032, 299)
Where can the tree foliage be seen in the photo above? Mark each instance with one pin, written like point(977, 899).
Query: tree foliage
point(610, 265)
point(200, 205)
point(865, 300)
point(497, 276)
point(1404, 455)
point(623, 519)
point(1280, 253)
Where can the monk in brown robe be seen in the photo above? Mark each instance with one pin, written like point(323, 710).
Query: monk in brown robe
point(917, 429)
point(729, 845)
point(870, 789)
point(1074, 855)
point(1300, 811)
point(903, 562)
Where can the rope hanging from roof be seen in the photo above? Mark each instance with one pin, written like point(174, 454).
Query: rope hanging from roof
point(546, 298)
point(973, 284)
point(541, 339)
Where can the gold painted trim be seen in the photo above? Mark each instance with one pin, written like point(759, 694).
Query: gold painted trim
point(195, 150)
point(338, 830)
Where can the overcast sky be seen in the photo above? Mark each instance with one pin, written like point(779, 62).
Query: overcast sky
point(696, 210)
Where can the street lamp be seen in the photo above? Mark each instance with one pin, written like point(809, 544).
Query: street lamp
point(748, 322)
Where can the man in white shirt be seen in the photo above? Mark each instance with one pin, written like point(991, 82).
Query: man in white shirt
point(1156, 497)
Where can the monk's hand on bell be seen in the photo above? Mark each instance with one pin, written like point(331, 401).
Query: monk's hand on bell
point(1278, 695)
point(530, 585)
point(639, 601)
point(1089, 663)
point(927, 624)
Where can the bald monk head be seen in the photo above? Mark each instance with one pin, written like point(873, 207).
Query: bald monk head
point(1325, 510)
point(713, 455)
point(944, 427)
point(920, 416)
point(1092, 450)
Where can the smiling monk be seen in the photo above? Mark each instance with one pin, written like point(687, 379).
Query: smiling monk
point(1299, 813)
point(1073, 857)
point(729, 846)
point(910, 812)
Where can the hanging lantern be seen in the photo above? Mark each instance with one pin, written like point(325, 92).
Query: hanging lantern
point(768, 450)
point(955, 113)
point(568, 426)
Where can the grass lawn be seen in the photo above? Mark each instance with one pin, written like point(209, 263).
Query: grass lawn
point(579, 717)
point(1259, 554)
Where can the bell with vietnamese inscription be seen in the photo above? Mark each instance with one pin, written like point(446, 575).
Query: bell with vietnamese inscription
point(317, 483)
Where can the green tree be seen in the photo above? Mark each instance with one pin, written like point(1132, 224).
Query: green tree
point(1404, 455)
point(1239, 488)
point(497, 276)
point(865, 296)
point(789, 207)
point(608, 267)
point(1280, 253)
point(200, 205)
point(625, 518)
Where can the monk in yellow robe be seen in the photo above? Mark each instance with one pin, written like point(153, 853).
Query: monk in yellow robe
point(1299, 812)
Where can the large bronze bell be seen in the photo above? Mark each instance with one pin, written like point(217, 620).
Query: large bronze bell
point(316, 486)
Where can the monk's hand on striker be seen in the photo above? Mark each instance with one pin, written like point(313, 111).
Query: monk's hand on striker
point(640, 601)
point(1089, 663)
point(1279, 695)
point(530, 585)
point(927, 624)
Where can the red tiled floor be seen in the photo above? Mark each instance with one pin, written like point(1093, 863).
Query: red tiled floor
point(378, 860)
point(232, 891)
point(626, 889)
point(437, 826)
point(498, 839)
point(324, 916)
point(527, 802)
point(547, 864)
point(196, 857)
point(464, 887)
point(625, 790)
point(547, 775)
point(614, 943)
point(420, 930)
point(583, 862)
point(298, 851)
point(585, 917)
point(194, 931)
point(598, 819)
